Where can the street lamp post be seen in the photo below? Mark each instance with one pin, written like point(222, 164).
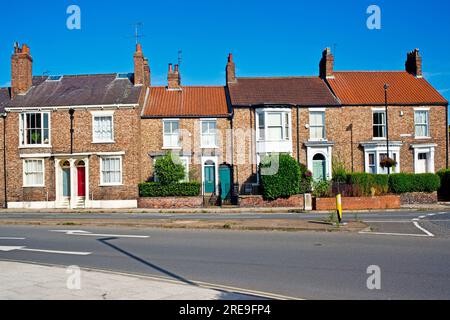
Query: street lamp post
point(386, 87)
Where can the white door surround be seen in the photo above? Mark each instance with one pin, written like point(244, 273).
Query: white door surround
point(73, 201)
point(424, 163)
point(215, 160)
point(326, 150)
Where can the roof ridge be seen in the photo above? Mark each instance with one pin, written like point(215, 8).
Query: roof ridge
point(371, 71)
point(280, 77)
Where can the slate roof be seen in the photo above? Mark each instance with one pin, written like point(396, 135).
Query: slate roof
point(367, 88)
point(79, 90)
point(302, 91)
point(4, 98)
point(190, 101)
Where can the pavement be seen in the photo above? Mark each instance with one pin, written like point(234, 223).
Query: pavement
point(24, 281)
point(274, 265)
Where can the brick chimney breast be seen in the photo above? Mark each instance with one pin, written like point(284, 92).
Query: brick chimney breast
point(21, 70)
point(327, 64)
point(174, 78)
point(231, 70)
point(139, 66)
point(413, 63)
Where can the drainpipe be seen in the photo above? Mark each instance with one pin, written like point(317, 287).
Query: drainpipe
point(447, 133)
point(298, 135)
point(5, 205)
point(71, 112)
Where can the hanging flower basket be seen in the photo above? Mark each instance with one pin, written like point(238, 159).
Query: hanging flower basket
point(388, 163)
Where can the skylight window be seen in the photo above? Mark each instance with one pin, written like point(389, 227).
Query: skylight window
point(54, 78)
point(123, 76)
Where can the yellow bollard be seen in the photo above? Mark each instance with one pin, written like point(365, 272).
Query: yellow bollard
point(339, 207)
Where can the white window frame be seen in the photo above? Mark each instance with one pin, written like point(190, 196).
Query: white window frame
point(383, 111)
point(102, 114)
point(286, 123)
point(23, 129)
point(324, 125)
point(165, 146)
point(108, 184)
point(25, 184)
point(203, 144)
point(427, 124)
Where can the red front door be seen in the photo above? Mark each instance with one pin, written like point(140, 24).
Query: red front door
point(81, 181)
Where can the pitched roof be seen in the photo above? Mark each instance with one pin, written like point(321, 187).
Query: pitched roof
point(4, 98)
point(367, 88)
point(304, 91)
point(188, 102)
point(79, 90)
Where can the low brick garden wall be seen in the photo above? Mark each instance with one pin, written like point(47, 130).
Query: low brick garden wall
point(258, 201)
point(358, 203)
point(419, 198)
point(170, 202)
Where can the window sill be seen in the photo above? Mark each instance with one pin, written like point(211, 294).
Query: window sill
point(111, 185)
point(171, 148)
point(209, 147)
point(318, 140)
point(422, 138)
point(262, 141)
point(35, 146)
point(379, 139)
point(41, 186)
point(103, 142)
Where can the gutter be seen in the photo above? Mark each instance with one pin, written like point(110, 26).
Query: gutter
point(5, 206)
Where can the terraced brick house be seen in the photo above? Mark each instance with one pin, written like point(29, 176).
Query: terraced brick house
point(192, 122)
point(73, 140)
point(340, 115)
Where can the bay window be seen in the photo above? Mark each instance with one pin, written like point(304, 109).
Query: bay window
point(273, 125)
point(35, 129)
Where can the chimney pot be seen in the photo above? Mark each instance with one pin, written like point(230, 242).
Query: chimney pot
point(21, 70)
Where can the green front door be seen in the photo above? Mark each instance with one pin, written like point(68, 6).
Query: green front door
point(319, 167)
point(225, 181)
point(210, 178)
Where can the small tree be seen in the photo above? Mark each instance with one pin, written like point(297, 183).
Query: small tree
point(169, 169)
point(280, 177)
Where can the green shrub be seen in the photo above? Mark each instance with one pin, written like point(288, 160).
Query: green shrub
point(322, 189)
point(306, 180)
point(156, 189)
point(169, 170)
point(365, 183)
point(444, 190)
point(339, 172)
point(280, 176)
point(404, 182)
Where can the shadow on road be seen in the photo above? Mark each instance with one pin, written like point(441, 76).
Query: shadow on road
point(148, 264)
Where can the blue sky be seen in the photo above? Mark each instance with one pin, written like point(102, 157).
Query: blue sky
point(273, 38)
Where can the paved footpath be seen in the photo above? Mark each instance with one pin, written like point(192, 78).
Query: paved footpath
point(19, 281)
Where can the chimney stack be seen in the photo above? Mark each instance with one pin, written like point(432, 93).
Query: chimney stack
point(21, 70)
point(174, 77)
point(327, 64)
point(413, 63)
point(141, 68)
point(231, 70)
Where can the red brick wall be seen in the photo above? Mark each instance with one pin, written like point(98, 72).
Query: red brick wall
point(170, 202)
point(358, 203)
point(296, 201)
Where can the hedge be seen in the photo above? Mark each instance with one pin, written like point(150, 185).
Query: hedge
point(156, 189)
point(282, 183)
point(404, 182)
point(444, 191)
point(366, 182)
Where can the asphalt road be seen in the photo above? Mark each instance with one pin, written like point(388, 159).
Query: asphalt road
point(301, 265)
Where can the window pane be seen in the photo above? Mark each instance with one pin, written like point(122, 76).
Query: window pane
point(317, 118)
point(274, 119)
point(317, 133)
point(275, 133)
